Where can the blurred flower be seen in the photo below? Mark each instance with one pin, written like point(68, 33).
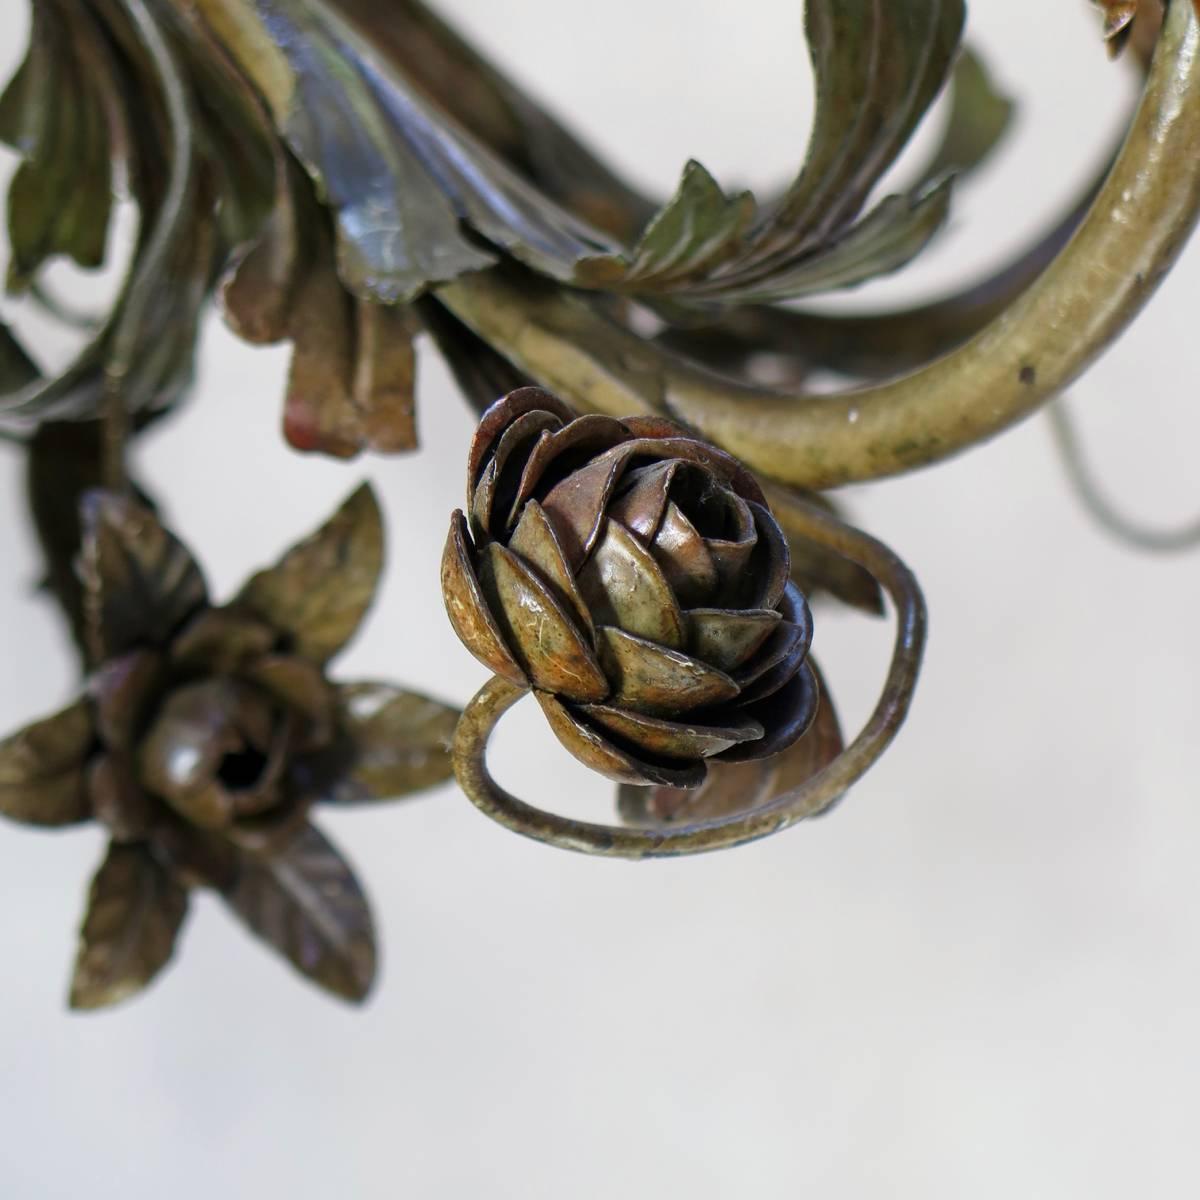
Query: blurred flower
point(205, 736)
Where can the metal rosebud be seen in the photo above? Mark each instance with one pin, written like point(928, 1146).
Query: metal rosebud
point(634, 578)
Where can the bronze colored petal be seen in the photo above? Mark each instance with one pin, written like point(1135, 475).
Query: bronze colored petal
point(732, 555)
point(535, 541)
point(42, 769)
point(134, 913)
point(576, 503)
point(468, 610)
point(520, 436)
point(653, 679)
point(785, 715)
point(642, 498)
point(304, 902)
point(658, 437)
point(397, 743)
point(182, 752)
point(118, 802)
point(780, 658)
point(217, 640)
point(727, 639)
point(818, 747)
point(672, 739)
point(141, 582)
point(122, 688)
point(499, 416)
point(771, 563)
point(547, 642)
point(684, 558)
point(623, 586)
point(596, 751)
point(319, 592)
point(302, 689)
point(728, 788)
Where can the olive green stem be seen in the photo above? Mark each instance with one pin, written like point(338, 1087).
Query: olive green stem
point(496, 697)
point(1042, 341)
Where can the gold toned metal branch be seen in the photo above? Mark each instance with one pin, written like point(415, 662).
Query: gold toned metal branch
point(1086, 297)
point(498, 696)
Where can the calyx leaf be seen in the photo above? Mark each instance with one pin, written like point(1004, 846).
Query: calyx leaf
point(42, 778)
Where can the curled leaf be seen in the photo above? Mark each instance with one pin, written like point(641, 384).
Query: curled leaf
point(305, 902)
point(320, 590)
point(134, 914)
point(42, 779)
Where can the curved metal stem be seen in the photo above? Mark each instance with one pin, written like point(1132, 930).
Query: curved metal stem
point(1091, 495)
point(1040, 343)
point(497, 696)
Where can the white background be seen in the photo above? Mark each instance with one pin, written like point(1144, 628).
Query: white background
point(977, 979)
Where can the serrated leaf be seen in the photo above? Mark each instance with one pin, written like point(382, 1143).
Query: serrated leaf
point(394, 743)
point(878, 67)
point(141, 582)
point(135, 910)
point(320, 590)
point(42, 779)
point(305, 903)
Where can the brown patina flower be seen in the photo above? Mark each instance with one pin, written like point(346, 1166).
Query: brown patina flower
point(633, 577)
point(206, 734)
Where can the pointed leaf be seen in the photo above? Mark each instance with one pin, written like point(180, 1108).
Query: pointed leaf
point(42, 769)
point(319, 592)
point(305, 903)
point(397, 742)
point(141, 582)
point(135, 910)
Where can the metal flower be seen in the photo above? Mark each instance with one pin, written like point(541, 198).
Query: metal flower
point(204, 737)
point(635, 579)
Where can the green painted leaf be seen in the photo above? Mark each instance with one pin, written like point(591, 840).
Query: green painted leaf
point(305, 903)
point(42, 769)
point(395, 743)
point(141, 582)
point(319, 592)
point(135, 910)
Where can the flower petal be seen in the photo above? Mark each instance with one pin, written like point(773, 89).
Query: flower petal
point(546, 640)
point(499, 416)
point(118, 802)
point(42, 769)
point(673, 739)
point(623, 586)
point(727, 639)
point(497, 485)
point(535, 541)
point(684, 558)
point(468, 610)
point(785, 715)
point(122, 688)
point(141, 582)
point(135, 910)
point(305, 902)
point(219, 639)
point(319, 592)
point(653, 679)
point(596, 751)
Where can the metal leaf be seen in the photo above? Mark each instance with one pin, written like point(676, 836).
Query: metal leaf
point(319, 592)
point(42, 769)
point(305, 902)
point(141, 582)
point(397, 743)
point(134, 913)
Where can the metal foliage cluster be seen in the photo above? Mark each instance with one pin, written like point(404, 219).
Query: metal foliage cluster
point(645, 524)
